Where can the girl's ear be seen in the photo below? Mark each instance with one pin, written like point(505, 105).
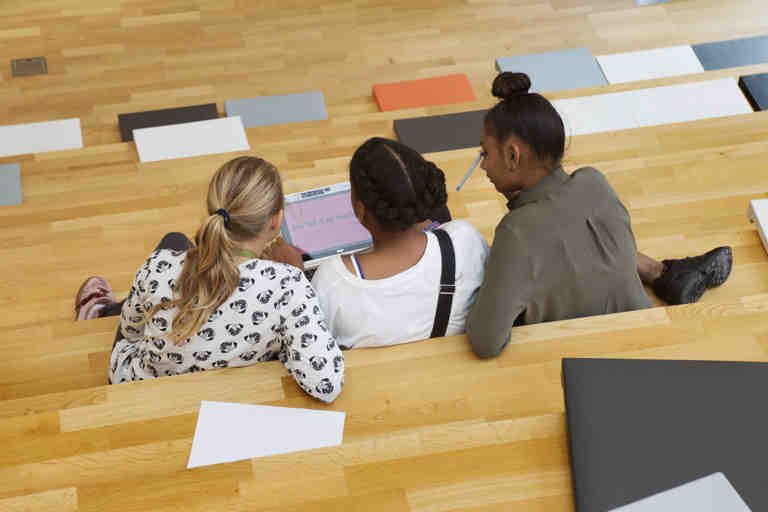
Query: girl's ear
point(276, 222)
point(512, 153)
point(359, 208)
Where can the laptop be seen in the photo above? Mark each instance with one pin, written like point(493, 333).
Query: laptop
point(712, 493)
point(321, 223)
point(640, 427)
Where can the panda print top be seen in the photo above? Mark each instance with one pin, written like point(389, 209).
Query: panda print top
point(273, 313)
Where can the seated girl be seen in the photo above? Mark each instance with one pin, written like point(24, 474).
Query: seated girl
point(390, 295)
point(220, 302)
point(566, 248)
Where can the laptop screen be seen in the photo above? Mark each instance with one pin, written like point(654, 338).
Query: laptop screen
point(321, 223)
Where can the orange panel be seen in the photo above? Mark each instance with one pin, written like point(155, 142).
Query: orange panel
point(442, 90)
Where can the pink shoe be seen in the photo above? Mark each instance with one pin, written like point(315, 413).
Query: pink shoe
point(93, 295)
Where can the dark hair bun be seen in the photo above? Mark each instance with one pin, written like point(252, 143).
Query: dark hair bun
point(508, 85)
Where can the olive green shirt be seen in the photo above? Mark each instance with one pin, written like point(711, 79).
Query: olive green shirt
point(564, 250)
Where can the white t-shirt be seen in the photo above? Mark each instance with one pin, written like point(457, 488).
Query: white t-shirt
point(401, 308)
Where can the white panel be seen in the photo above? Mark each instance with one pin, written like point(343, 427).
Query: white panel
point(648, 64)
point(228, 432)
point(713, 493)
point(758, 213)
point(221, 135)
point(594, 114)
point(689, 102)
point(21, 139)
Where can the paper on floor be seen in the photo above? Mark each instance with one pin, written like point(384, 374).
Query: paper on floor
point(713, 493)
point(228, 432)
point(758, 213)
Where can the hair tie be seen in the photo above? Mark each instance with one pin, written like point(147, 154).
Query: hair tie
point(223, 213)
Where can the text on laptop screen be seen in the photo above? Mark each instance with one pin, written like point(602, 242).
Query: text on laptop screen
point(320, 224)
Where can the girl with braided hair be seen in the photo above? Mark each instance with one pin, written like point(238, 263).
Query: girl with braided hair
point(390, 294)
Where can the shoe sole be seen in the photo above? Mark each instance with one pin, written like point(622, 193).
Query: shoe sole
point(718, 267)
point(79, 291)
point(694, 291)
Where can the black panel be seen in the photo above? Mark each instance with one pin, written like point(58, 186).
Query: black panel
point(755, 88)
point(150, 118)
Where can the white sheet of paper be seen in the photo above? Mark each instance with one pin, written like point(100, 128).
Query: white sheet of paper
point(228, 432)
point(648, 64)
point(713, 493)
point(758, 213)
point(22, 139)
point(209, 137)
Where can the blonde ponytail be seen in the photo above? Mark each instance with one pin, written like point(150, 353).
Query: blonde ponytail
point(250, 192)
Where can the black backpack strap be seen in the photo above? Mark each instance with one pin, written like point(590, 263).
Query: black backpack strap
point(447, 284)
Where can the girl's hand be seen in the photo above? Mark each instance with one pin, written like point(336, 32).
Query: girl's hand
point(283, 252)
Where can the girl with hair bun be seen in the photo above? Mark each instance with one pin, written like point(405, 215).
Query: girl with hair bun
point(390, 294)
point(223, 301)
point(566, 247)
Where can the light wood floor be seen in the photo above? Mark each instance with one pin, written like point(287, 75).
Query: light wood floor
point(429, 427)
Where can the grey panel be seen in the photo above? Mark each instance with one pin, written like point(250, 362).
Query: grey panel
point(269, 110)
point(651, 2)
point(441, 133)
point(755, 88)
point(10, 184)
point(639, 427)
point(734, 53)
point(556, 71)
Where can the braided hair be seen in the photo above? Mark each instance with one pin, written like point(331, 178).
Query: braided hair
point(396, 184)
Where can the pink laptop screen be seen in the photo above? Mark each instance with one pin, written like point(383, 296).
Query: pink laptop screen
point(325, 225)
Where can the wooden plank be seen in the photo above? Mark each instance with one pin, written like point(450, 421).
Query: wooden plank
point(64, 500)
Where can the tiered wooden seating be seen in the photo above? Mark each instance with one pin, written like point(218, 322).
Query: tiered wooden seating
point(429, 426)
point(687, 188)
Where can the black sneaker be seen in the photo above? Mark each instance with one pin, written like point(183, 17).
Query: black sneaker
point(684, 281)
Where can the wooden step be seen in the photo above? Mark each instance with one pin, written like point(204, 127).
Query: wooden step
point(498, 418)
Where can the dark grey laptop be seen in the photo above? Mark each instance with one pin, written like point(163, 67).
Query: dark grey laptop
point(640, 427)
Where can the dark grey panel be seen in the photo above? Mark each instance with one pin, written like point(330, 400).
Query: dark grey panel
point(441, 133)
point(734, 53)
point(164, 117)
point(639, 427)
point(755, 88)
point(10, 184)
